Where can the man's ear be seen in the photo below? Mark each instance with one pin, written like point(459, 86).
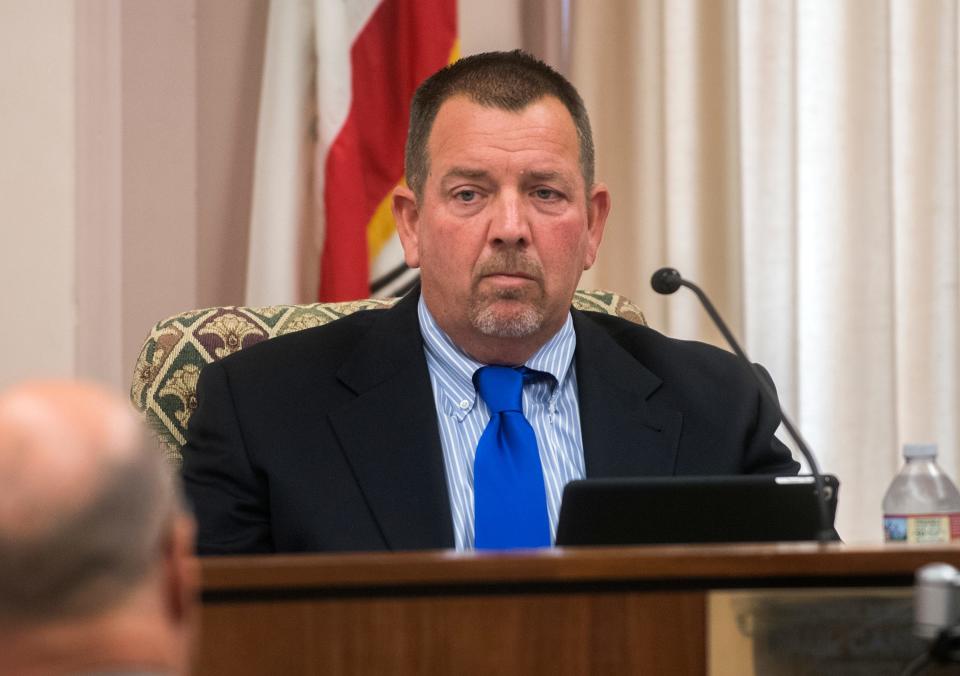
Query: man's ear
point(598, 207)
point(406, 213)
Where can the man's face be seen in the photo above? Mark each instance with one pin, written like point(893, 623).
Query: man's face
point(505, 225)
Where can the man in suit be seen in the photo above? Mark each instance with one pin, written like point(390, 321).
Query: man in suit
point(367, 433)
point(97, 573)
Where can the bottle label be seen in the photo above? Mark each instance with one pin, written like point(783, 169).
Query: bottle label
point(921, 528)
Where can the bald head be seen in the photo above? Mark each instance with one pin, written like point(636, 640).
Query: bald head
point(56, 440)
point(85, 501)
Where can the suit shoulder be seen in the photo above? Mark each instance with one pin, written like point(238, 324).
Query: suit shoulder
point(639, 339)
point(673, 359)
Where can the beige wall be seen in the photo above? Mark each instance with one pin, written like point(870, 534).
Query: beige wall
point(230, 40)
point(128, 141)
point(136, 165)
point(489, 25)
point(36, 189)
point(128, 137)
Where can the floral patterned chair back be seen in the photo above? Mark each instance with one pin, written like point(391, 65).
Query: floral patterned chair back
point(164, 387)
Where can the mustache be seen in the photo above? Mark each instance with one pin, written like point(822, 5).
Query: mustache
point(510, 262)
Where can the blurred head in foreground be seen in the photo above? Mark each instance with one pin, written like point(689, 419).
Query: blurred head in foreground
point(96, 552)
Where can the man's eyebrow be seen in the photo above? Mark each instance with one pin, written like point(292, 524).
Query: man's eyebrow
point(549, 176)
point(464, 172)
point(544, 176)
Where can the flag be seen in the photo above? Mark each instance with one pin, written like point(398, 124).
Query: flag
point(338, 79)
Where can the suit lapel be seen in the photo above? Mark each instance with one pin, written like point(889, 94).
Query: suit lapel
point(389, 433)
point(624, 434)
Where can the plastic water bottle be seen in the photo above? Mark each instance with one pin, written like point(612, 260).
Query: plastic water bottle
point(922, 504)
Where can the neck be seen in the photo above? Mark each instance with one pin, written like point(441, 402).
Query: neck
point(115, 640)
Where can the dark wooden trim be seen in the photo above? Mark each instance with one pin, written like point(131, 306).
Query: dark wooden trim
point(592, 565)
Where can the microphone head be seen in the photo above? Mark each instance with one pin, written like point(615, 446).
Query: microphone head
point(666, 281)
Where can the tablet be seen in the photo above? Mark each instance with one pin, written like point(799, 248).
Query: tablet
point(690, 509)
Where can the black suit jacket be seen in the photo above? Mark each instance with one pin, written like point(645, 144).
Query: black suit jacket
point(327, 439)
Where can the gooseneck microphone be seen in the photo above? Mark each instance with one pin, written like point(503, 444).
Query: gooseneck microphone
point(666, 281)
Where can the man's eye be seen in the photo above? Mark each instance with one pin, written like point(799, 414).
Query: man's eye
point(466, 195)
point(546, 193)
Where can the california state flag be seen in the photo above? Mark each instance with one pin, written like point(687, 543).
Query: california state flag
point(335, 102)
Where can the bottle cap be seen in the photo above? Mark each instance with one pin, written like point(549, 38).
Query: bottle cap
point(919, 450)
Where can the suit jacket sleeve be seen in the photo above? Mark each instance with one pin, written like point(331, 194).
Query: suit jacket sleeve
point(224, 489)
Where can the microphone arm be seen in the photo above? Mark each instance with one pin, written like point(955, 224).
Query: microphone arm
point(666, 281)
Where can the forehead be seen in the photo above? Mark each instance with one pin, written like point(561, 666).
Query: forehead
point(540, 137)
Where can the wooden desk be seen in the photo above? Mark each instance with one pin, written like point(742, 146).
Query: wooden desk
point(559, 611)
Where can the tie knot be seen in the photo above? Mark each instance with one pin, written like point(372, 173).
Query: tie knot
point(501, 388)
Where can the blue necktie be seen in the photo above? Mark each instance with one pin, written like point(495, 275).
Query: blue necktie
point(510, 503)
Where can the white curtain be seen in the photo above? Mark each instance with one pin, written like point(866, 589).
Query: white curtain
point(798, 158)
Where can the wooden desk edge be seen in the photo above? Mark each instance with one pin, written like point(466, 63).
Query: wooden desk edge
point(764, 563)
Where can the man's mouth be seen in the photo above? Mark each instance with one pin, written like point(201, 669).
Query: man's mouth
point(509, 281)
point(508, 275)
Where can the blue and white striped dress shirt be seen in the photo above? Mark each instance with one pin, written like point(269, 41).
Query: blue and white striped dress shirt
point(550, 404)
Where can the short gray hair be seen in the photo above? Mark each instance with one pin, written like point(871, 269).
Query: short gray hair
point(90, 560)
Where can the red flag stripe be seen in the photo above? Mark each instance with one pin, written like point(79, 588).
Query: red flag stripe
point(403, 43)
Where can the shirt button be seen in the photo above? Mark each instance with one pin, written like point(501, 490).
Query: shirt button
point(464, 404)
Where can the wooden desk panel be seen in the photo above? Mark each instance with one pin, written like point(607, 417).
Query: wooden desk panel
point(490, 634)
point(574, 611)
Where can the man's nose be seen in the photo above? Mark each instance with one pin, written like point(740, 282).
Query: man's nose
point(509, 223)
